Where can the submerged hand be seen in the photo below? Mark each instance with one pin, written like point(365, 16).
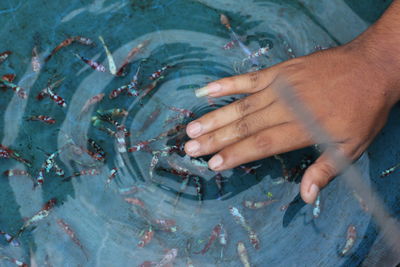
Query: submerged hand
point(348, 91)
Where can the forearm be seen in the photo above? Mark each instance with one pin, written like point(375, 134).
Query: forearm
point(380, 45)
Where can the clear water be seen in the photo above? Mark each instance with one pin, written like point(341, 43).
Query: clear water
point(188, 36)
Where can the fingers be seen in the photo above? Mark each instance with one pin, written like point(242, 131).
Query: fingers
point(212, 142)
point(318, 175)
point(272, 141)
point(241, 84)
point(232, 112)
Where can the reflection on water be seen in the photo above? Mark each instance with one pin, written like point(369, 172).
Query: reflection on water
point(129, 195)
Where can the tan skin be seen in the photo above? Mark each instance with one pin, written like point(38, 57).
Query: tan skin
point(350, 90)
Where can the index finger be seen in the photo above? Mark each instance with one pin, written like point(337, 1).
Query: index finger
point(232, 112)
point(241, 84)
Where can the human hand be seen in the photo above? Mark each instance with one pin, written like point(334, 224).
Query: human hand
point(347, 89)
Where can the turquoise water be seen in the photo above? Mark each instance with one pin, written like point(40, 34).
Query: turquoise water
point(188, 36)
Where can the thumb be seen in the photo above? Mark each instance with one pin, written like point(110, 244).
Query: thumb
point(316, 177)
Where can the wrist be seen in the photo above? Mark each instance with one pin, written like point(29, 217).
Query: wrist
point(379, 49)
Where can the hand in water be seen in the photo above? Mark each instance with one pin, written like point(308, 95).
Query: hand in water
point(349, 89)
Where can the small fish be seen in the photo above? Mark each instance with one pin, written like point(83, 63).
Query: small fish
point(58, 170)
point(219, 182)
point(285, 172)
point(90, 172)
point(223, 239)
point(6, 152)
point(115, 112)
point(40, 178)
point(360, 200)
point(109, 119)
point(390, 170)
point(93, 64)
point(140, 146)
point(43, 213)
point(134, 84)
point(4, 56)
point(63, 44)
point(112, 175)
point(230, 45)
point(130, 56)
point(111, 63)
point(44, 92)
point(108, 131)
point(56, 98)
point(84, 40)
point(150, 87)
point(147, 237)
point(260, 52)
point(18, 90)
point(150, 119)
point(257, 205)
point(157, 74)
point(185, 112)
point(179, 128)
point(128, 190)
point(166, 225)
point(225, 21)
point(317, 207)
point(35, 61)
point(96, 147)
point(243, 255)
point(9, 238)
point(249, 170)
point(284, 207)
point(67, 229)
point(42, 118)
point(121, 143)
point(168, 259)
point(135, 201)
point(91, 101)
point(9, 78)
point(153, 164)
point(238, 217)
point(288, 50)
point(214, 235)
point(199, 189)
point(50, 161)
point(182, 188)
point(254, 239)
point(116, 92)
point(68, 42)
point(15, 261)
point(350, 240)
point(16, 172)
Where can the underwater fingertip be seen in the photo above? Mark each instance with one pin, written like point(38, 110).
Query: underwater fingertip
point(208, 90)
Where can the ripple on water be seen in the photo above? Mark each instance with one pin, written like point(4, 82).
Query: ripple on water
point(188, 36)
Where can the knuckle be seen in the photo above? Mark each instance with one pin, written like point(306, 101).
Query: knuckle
point(253, 79)
point(326, 172)
point(242, 106)
point(242, 128)
point(262, 142)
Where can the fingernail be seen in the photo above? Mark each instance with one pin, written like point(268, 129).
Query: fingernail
point(313, 191)
point(215, 162)
point(193, 129)
point(211, 88)
point(192, 146)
